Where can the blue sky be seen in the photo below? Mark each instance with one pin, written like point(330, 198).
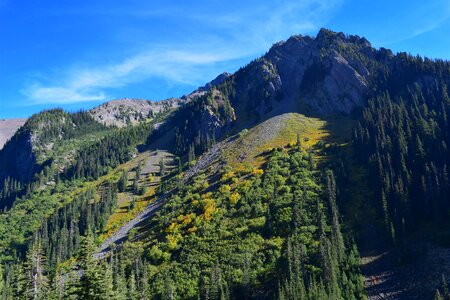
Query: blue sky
point(78, 54)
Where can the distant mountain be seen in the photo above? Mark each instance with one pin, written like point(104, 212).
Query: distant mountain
point(8, 128)
point(51, 139)
point(123, 112)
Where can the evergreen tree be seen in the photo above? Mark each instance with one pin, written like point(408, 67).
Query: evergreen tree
point(123, 182)
point(95, 282)
point(162, 167)
point(35, 262)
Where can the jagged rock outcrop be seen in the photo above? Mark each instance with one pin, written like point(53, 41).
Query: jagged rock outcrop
point(328, 74)
point(203, 89)
point(128, 111)
point(123, 112)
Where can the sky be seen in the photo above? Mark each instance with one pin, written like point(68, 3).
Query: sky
point(77, 54)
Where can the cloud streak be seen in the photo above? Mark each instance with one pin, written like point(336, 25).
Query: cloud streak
point(419, 21)
point(89, 84)
point(235, 34)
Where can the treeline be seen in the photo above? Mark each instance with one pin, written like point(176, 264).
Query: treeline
point(115, 148)
point(13, 189)
point(404, 134)
point(60, 235)
point(90, 162)
point(54, 124)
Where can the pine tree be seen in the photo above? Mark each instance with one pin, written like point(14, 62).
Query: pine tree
point(19, 282)
point(299, 143)
point(34, 266)
point(123, 182)
point(338, 239)
point(96, 280)
point(132, 291)
point(162, 167)
point(136, 185)
point(437, 295)
point(180, 167)
point(191, 154)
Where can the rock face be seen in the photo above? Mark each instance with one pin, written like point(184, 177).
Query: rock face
point(203, 89)
point(326, 74)
point(8, 128)
point(128, 111)
point(123, 112)
point(329, 74)
point(322, 75)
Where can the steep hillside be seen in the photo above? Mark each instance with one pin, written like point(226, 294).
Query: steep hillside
point(43, 146)
point(331, 74)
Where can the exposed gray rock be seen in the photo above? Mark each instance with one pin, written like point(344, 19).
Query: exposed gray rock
point(325, 73)
point(129, 111)
point(203, 89)
point(121, 234)
point(123, 112)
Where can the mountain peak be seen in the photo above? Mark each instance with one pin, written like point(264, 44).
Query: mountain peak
point(203, 89)
point(216, 81)
point(328, 36)
point(325, 33)
point(328, 73)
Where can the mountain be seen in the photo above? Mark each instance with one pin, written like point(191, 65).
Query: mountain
point(317, 171)
point(123, 112)
point(203, 89)
point(50, 140)
point(7, 129)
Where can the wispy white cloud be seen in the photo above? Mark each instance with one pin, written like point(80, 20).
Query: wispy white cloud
point(60, 95)
point(89, 84)
point(420, 20)
point(425, 28)
point(235, 34)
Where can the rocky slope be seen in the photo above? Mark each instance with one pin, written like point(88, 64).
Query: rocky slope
point(128, 111)
point(203, 89)
point(123, 112)
point(328, 74)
